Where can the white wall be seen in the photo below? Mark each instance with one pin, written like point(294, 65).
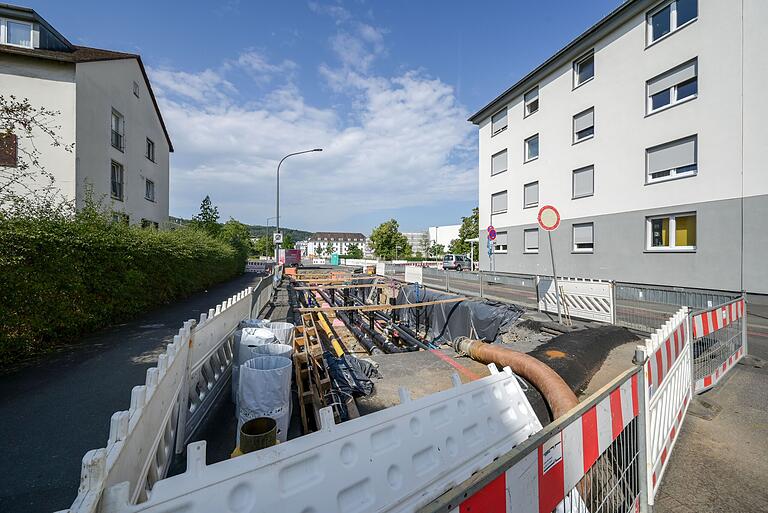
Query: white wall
point(51, 85)
point(444, 234)
point(623, 64)
point(102, 86)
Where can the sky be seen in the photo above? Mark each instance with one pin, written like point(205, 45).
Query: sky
point(384, 87)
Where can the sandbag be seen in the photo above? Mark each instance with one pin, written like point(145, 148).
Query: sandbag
point(265, 391)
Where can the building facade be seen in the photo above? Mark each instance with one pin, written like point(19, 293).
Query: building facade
point(327, 243)
point(443, 235)
point(419, 241)
point(645, 134)
point(106, 108)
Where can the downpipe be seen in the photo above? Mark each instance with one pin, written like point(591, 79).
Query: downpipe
point(556, 392)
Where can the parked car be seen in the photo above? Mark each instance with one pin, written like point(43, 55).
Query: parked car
point(456, 262)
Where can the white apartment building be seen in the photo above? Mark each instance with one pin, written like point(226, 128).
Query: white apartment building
point(339, 242)
point(107, 109)
point(646, 133)
point(419, 241)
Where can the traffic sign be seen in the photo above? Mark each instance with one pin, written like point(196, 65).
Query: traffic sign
point(491, 232)
point(277, 238)
point(549, 218)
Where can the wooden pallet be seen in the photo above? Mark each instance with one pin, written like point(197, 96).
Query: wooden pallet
point(312, 380)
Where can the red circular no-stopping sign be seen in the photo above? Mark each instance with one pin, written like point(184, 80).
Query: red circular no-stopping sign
point(491, 232)
point(549, 218)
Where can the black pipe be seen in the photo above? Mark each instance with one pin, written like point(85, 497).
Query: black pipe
point(410, 337)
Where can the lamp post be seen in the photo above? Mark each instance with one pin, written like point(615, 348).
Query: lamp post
point(277, 203)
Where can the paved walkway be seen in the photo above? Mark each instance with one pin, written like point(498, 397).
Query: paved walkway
point(55, 410)
point(720, 462)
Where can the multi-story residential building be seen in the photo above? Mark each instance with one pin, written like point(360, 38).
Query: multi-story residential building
point(646, 133)
point(419, 241)
point(106, 108)
point(339, 242)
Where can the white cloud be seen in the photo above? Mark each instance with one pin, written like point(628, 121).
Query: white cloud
point(403, 141)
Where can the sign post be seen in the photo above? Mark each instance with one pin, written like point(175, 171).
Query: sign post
point(491, 237)
point(549, 220)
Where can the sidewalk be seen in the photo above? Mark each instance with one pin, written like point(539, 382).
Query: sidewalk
point(57, 409)
point(720, 461)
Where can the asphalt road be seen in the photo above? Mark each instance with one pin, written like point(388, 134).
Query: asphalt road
point(55, 410)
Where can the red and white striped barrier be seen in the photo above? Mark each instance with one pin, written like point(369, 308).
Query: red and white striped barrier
point(669, 441)
point(664, 356)
point(716, 319)
point(544, 478)
point(712, 379)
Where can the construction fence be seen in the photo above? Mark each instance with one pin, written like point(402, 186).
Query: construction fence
point(169, 407)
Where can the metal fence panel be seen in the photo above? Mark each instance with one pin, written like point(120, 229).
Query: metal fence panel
point(719, 342)
point(645, 307)
point(591, 460)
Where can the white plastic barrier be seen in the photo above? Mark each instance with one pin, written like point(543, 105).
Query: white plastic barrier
point(582, 298)
point(380, 268)
point(413, 274)
point(392, 460)
point(668, 391)
point(265, 391)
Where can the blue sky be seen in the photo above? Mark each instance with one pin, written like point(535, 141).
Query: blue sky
point(384, 87)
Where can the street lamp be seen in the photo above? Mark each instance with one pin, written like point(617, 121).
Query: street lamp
point(277, 203)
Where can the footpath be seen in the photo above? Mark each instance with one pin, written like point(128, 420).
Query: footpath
point(57, 409)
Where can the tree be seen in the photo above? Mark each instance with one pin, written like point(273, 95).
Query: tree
point(388, 243)
point(329, 249)
point(237, 235)
point(425, 243)
point(469, 229)
point(26, 186)
point(436, 250)
point(287, 242)
point(264, 246)
point(354, 251)
point(208, 217)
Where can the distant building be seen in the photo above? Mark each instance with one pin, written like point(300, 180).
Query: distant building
point(444, 234)
point(419, 241)
point(107, 109)
point(339, 242)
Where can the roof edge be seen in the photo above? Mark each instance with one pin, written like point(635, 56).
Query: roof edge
point(571, 50)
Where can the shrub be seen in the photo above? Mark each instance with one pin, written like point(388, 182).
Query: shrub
point(62, 276)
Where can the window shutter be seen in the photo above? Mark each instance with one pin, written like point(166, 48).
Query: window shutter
point(583, 233)
point(531, 194)
point(501, 239)
point(499, 202)
point(583, 182)
point(499, 121)
point(584, 120)
point(8, 150)
point(499, 163)
point(671, 78)
point(672, 155)
point(531, 95)
point(532, 239)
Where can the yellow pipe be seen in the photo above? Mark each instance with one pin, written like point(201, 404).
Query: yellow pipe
point(329, 333)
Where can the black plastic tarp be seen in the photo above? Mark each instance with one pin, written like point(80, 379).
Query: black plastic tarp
point(472, 318)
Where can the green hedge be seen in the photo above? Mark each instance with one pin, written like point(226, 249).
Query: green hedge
point(60, 277)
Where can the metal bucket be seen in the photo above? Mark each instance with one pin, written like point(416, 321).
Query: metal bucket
point(258, 433)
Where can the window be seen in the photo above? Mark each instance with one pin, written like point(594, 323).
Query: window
point(499, 163)
point(676, 232)
point(675, 159)
point(583, 70)
point(17, 33)
point(121, 218)
point(531, 101)
point(583, 182)
point(117, 181)
point(499, 122)
point(500, 244)
point(670, 17)
point(531, 240)
point(499, 202)
point(149, 190)
point(584, 238)
point(532, 148)
point(9, 150)
point(136, 89)
point(531, 195)
point(584, 125)
point(150, 149)
point(674, 86)
point(118, 130)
